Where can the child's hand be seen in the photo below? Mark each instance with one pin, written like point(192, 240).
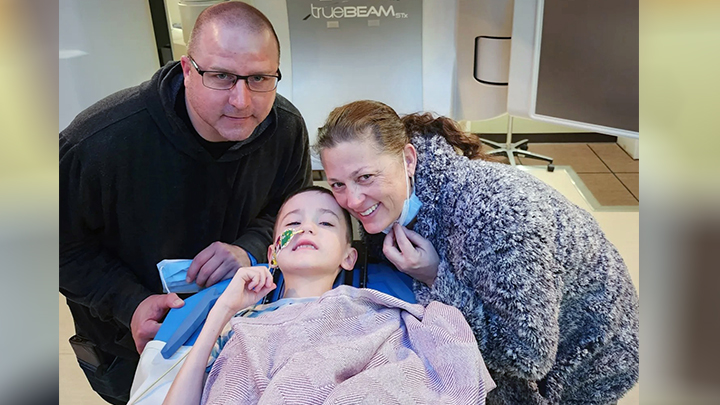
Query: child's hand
point(247, 287)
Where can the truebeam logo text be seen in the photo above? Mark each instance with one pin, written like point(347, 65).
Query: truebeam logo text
point(354, 12)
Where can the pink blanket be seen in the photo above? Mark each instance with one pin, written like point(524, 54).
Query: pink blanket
point(351, 346)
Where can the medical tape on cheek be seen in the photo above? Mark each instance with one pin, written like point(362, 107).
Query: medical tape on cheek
point(282, 241)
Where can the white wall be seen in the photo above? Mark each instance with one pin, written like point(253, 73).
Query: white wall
point(439, 55)
point(105, 46)
point(438, 51)
point(449, 28)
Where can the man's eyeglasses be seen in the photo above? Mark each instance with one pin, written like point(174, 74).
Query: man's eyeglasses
point(226, 81)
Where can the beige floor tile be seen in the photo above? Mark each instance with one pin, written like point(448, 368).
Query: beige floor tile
point(632, 397)
point(607, 189)
point(632, 182)
point(615, 157)
point(578, 155)
point(67, 327)
point(74, 387)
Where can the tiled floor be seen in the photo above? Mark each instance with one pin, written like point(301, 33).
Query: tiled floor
point(611, 175)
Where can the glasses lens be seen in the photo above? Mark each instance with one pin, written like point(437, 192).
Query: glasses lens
point(262, 83)
point(219, 80)
point(225, 81)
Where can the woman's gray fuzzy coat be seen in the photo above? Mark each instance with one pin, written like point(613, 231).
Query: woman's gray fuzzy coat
point(549, 298)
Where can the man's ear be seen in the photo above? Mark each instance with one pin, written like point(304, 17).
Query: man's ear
point(185, 63)
point(348, 262)
point(186, 67)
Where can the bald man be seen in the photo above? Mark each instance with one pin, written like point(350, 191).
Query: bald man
point(193, 163)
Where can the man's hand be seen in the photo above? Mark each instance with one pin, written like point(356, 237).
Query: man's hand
point(413, 255)
point(247, 287)
point(146, 318)
point(215, 263)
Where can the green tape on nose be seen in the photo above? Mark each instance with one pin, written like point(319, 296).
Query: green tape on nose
point(286, 236)
point(282, 241)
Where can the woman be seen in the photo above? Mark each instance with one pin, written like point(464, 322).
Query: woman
point(548, 296)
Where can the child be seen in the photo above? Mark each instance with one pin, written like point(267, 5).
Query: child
point(313, 245)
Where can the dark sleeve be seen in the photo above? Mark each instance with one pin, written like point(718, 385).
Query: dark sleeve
point(90, 274)
point(502, 275)
point(293, 176)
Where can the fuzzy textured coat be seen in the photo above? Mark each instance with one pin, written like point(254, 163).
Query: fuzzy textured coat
point(548, 297)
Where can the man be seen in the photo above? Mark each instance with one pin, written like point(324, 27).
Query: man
point(193, 163)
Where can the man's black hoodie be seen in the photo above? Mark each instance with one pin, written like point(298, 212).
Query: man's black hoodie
point(137, 187)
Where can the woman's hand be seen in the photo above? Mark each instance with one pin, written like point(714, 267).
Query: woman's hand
point(247, 287)
point(412, 254)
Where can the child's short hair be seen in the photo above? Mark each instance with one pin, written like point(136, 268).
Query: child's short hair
point(322, 190)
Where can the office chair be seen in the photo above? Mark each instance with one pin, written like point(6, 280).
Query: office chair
point(511, 149)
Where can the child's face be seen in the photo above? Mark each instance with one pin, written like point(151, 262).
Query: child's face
point(322, 247)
